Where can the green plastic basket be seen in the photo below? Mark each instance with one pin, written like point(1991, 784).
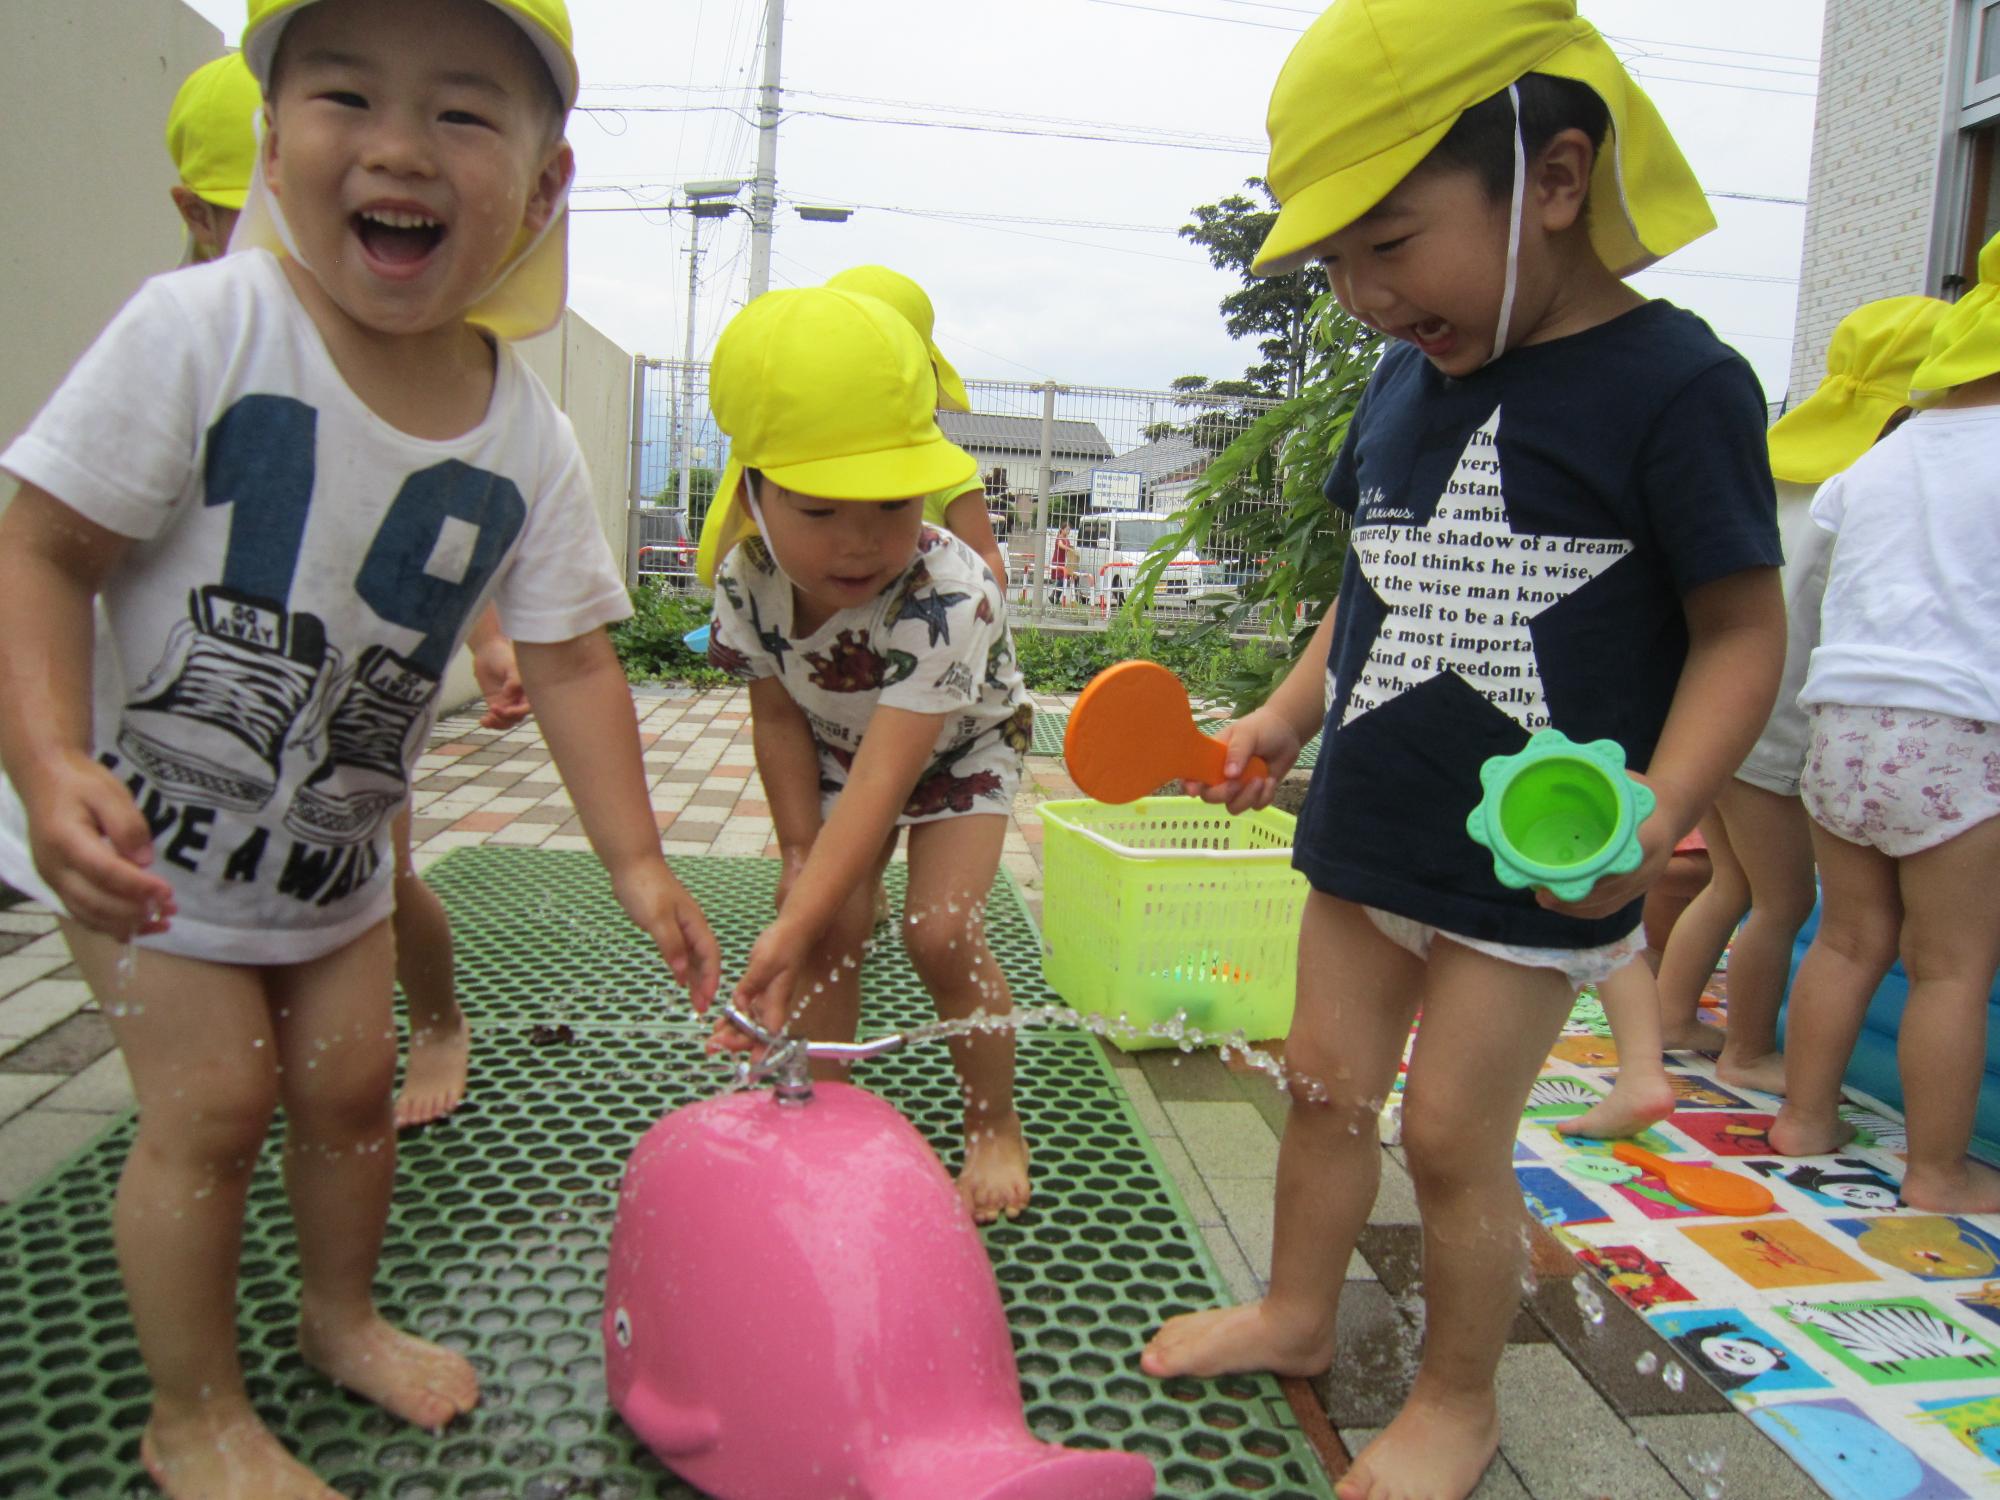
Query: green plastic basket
point(1170, 905)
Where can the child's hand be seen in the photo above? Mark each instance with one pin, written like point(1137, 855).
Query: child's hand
point(498, 673)
point(1262, 733)
point(661, 905)
point(92, 846)
point(1656, 847)
point(764, 993)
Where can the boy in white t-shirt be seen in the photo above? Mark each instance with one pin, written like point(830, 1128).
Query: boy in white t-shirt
point(330, 463)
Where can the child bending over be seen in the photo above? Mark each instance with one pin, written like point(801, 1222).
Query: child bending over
point(1561, 515)
point(883, 690)
point(332, 465)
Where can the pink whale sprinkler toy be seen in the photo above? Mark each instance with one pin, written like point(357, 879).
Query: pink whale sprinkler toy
point(799, 1308)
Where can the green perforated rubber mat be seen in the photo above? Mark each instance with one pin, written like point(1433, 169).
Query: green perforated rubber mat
point(498, 1239)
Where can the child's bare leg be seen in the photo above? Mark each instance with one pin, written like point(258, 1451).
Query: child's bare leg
point(1695, 946)
point(1860, 921)
point(1642, 1095)
point(1357, 993)
point(1951, 948)
point(827, 1005)
point(338, 1050)
point(440, 1038)
point(197, 1039)
point(1488, 1025)
point(952, 863)
point(1772, 840)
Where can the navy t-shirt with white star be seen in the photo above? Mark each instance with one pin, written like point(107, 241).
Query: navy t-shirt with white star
point(1522, 541)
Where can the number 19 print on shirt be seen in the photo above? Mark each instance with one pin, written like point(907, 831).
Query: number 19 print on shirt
point(249, 696)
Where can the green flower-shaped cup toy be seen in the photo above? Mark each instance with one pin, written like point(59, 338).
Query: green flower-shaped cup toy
point(1560, 815)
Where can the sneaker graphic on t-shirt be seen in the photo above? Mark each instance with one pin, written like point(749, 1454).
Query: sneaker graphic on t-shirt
point(365, 775)
point(237, 674)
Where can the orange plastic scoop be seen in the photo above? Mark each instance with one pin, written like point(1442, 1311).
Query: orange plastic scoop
point(1708, 1188)
point(1132, 729)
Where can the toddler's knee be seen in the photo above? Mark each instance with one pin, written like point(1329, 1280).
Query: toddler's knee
point(219, 1123)
point(1442, 1158)
point(1323, 1093)
point(943, 948)
point(1865, 938)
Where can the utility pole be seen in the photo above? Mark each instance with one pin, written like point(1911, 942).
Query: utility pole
point(686, 434)
point(764, 186)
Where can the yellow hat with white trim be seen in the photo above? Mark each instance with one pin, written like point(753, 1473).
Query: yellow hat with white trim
point(828, 393)
point(1869, 363)
point(914, 303)
point(528, 295)
point(1966, 344)
point(545, 21)
point(212, 131)
point(1374, 85)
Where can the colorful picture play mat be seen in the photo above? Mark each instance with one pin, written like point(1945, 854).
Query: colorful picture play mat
point(1861, 1336)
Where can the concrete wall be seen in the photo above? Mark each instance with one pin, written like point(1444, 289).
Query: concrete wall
point(1876, 144)
point(85, 174)
point(591, 379)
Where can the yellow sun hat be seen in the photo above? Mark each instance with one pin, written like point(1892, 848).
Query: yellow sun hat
point(914, 303)
point(1869, 363)
point(529, 293)
point(1966, 345)
point(545, 21)
point(212, 131)
point(829, 393)
point(1374, 85)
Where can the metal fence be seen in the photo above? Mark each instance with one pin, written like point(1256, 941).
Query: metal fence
point(1080, 481)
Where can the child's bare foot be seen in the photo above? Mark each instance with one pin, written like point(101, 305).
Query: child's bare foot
point(419, 1382)
point(1766, 1073)
point(994, 1179)
point(1971, 1188)
point(1694, 1036)
point(1636, 1100)
point(1230, 1340)
point(223, 1452)
point(1795, 1132)
point(1432, 1451)
point(434, 1079)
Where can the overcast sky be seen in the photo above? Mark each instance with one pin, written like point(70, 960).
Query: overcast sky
point(668, 85)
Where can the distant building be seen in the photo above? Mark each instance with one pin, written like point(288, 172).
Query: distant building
point(1906, 161)
point(1009, 449)
point(1167, 470)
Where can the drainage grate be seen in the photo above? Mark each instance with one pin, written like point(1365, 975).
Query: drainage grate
point(1049, 731)
point(498, 1242)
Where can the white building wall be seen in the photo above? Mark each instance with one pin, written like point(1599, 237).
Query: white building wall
point(1876, 141)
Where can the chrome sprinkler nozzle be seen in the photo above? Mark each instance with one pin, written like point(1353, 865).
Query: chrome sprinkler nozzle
point(786, 1059)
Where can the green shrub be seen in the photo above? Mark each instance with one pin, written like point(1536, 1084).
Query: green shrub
point(1209, 661)
point(650, 645)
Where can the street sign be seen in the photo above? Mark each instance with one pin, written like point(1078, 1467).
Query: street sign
point(1115, 489)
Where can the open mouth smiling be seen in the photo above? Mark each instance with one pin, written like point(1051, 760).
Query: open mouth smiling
point(398, 238)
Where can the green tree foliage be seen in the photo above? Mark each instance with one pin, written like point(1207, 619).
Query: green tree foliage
point(701, 492)
point(1275, 310)
point(1261, 498)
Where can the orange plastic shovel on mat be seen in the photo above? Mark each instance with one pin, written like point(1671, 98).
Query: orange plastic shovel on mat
point(1709, 1188)
point(1132, 729)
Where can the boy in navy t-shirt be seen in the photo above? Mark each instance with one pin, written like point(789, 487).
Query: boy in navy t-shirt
point(1562, 516)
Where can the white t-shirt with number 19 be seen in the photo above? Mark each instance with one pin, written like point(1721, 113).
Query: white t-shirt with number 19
point(301, 575)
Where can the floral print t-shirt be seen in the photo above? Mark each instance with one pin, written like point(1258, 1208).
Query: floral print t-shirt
point(935, 641)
